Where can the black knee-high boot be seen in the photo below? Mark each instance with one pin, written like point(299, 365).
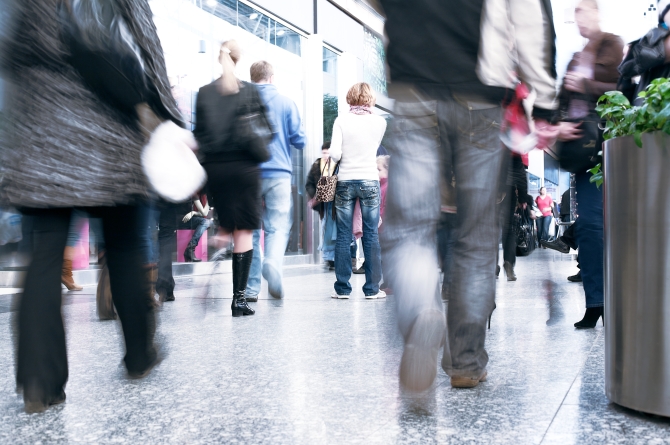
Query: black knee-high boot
point(241, 268)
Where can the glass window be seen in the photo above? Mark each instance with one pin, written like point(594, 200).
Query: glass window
point(223, 9)
point(329, 92)
point(374, 67)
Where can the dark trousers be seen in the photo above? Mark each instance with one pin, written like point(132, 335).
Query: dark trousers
point(167, 246)
point(42, 358)
point(508, 233)
point(590, 238)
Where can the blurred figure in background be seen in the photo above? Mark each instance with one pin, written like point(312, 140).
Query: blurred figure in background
point(356, 138)
point(450, 74)
point(648, 57)
point(67, 148)
point(197, 221)
point(78, 218)
point(590, 74)
point(545, 204)
point(322, 167)
point(515, 185)
point(233, 171)
point(275, 184)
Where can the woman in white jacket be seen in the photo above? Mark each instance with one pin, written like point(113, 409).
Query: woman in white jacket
point(356, 138)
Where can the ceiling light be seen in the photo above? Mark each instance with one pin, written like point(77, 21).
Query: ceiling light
point(253, 16)
point(281, 32)
point(212, 2)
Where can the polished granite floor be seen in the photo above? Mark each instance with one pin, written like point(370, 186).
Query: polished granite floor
point(313, 370)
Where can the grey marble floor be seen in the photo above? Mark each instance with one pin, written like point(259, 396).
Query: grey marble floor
point(313, 370)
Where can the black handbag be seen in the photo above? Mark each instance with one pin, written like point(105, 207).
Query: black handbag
point(103, 51)
point(253, 130)
point(525, 234)
point(582, 154)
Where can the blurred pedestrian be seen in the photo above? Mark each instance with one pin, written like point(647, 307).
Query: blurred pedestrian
point(356, 138)
point(591, 73)
point(68, 148)
point(232, 168)
point(322, 167)
point(448, 96)
point(275, 184)
point(545, 203)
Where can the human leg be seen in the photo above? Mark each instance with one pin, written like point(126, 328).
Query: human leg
point(130, 286)
point(477, 163)
point(242, 257)
point(408, 242)
point(369, 196)
point(277, 220)
point(167, 245)
point(345, 200)
point(254, 281)
point(589, 234)
point(42, 368)
point(76, 221)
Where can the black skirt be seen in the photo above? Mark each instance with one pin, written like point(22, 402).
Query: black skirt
point(235, 191)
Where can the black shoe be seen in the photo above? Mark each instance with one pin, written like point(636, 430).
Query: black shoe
point(157, 359)
point(164, 295)
point(330, 264)
point(241, 268)
point(557, 245)
point(591, 318)
point(360, 270)
point(189, 255)
point(251, 298)
point(497, 271)
point(576, 278)
point(35, 401)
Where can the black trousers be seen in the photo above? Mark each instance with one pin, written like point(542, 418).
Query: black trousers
point(42, 358)
point(167, 245)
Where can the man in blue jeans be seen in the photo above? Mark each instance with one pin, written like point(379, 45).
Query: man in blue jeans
point(447, 121)
point(276, 184)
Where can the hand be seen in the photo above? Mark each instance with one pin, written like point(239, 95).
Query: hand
point(569, 131)
point(188, 217)
point(546, 133)
point(574, 82)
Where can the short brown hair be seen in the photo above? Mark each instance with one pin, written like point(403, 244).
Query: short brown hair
point(361, 94)
point(261, 71)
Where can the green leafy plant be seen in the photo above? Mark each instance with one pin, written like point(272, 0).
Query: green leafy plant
point(624, 119)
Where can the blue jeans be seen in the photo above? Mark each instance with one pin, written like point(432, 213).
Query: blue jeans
point(277, 221)
point(430, 140)
point(589, 234)
point(345, 201)
point(201, 225)
point(543, 224)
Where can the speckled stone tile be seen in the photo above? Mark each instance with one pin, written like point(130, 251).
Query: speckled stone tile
point(313, 370)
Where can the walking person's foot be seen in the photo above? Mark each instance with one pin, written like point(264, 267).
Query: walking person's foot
point(418, 366)
point(467, 382)
point(273, 278)
point(591, 317)
point(577, 278)
point(380, 294)
point(556, 245)
point(360, 270)
point(509, 271)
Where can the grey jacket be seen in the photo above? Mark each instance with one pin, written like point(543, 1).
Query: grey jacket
point(61, 146)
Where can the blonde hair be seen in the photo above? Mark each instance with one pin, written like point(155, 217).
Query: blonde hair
point(229, 55)
point(361, 94)
point(261, 71)
point(384, 160)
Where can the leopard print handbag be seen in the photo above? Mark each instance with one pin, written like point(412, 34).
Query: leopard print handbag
point(325, 188)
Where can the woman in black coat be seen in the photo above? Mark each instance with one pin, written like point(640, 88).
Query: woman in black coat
point(325, 209)
point(234, 177)
point(63, 147)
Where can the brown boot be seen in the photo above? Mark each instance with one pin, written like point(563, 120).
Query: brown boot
point(66, 277)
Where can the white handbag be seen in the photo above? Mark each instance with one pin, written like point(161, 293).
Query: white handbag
point(171, 166)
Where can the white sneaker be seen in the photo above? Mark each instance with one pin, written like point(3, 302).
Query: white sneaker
point(339, 297)
point(380, 294)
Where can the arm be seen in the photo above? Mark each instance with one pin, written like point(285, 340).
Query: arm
point(336, 142)
point(534, 36)
point(310, 185)
point(607, 64)
point(296, 136)
point(204, 211)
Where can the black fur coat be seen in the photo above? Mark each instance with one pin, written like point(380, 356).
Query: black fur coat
point(60, 145)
